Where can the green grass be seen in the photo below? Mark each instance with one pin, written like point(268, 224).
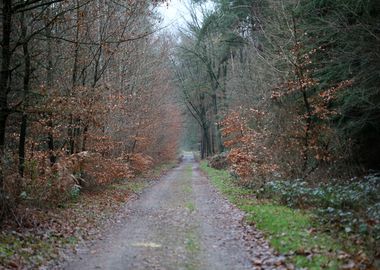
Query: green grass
point(134, 186)
point(287, 230)
point(190, 206)
point(187, 189)
point(189, 170)
point(192, 247)
point(192, 244)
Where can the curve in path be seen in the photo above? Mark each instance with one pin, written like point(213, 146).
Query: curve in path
point(182, 223)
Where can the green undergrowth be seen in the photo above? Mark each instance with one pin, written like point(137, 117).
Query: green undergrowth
point(291, 232)
point(351, 207)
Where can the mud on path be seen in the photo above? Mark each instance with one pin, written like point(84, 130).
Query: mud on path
point(181, 223)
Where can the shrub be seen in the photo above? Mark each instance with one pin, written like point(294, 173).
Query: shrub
point(219, 161)
point(353, 207)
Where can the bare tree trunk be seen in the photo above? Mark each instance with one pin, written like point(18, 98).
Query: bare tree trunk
point(49, 84)
point(300, 74)
point(21, 147)
point(5, 69)
point(4, 89)
point(26, 86)
point(85, 130)
point(215, 85)
point(71, 130)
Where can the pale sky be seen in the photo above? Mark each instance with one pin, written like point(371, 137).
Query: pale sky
point(176, 12)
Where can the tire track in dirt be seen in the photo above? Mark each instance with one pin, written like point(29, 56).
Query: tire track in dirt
point(182, 222)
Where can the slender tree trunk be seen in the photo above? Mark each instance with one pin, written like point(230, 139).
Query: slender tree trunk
point(21, 147)
point(217, 134)
point(206, 145)
point(50, 143)
point(76, 47)
point(26, 86)
point(202, 148)
point(49, 84)
point(300, 74)
point(223, 105)
point(85, 130)
point(5, 69)
point(71, 130)
point(4, 89)
point(71, 135)
point(215, 85)
point(208, 142)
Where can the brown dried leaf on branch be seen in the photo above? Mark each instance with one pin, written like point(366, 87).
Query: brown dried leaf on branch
point(249, 156)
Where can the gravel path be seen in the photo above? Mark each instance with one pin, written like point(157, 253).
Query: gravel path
point(181, 223)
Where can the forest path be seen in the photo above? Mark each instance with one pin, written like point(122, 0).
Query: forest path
point(181, 223)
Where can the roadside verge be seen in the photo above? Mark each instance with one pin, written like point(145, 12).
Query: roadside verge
point(293, 233)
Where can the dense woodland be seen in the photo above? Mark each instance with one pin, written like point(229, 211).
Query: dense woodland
point(85, 95)
point(290, 86)
point(285, 93)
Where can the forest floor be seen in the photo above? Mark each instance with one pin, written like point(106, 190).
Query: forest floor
point(181, 222)
point(39, 236)
point(179, 219)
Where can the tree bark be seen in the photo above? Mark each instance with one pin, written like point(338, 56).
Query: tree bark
point(49, 84)
point(5, 69)
point(4, 90)
point(72, 123)
point(26, 86)
point(299, 72)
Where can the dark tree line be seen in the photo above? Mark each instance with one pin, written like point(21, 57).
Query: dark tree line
point(310, 67)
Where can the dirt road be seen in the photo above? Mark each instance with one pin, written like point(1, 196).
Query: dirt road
point(181, 223)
